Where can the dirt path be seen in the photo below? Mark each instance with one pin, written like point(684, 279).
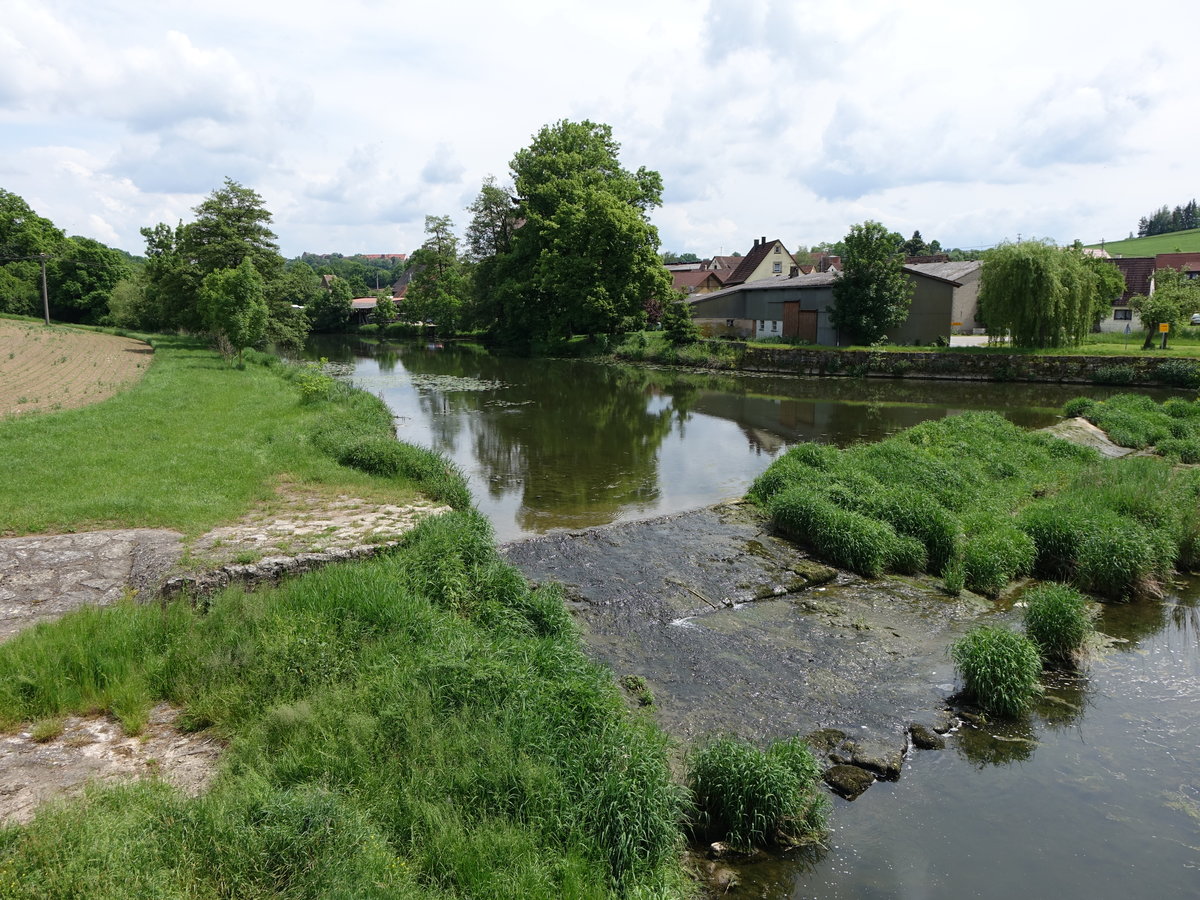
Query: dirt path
point(55, 368)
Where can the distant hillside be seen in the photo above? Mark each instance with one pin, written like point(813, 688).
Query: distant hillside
point(1171, 242)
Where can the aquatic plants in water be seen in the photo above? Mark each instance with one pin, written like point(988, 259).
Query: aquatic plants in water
point(999, 669)
point(1058, 620)
point(751, 797)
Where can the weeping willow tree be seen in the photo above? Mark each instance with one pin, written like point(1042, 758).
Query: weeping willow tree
point(1045, 296)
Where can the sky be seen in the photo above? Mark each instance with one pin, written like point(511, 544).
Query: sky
point(973, 123)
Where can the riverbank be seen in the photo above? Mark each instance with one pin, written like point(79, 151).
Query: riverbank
point(420, 724)
point(1115, 365)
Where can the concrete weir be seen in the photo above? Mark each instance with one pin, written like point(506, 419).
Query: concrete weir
point(736, 630)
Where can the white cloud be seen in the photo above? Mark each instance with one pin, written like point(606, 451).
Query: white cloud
point(793, 119)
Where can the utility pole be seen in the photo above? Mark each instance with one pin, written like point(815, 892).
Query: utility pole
point(45, 293)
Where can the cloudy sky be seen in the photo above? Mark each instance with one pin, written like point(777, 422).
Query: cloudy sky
point(972, 122)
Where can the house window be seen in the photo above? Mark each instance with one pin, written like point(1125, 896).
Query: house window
point(777, 267)
point(729, 323)
point(1122, 315)
point(774, 326)
point(777, 250)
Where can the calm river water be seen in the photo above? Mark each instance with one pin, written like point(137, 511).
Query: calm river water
point(1095, 795)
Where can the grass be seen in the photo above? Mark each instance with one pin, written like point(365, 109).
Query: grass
point(655, 347)
point(1173, 242)
point(1171, 428)
point(1058, 620)
point(999, 669)
point(195, 443)
point(981, 502)
point(422, 724)
point(751, 797)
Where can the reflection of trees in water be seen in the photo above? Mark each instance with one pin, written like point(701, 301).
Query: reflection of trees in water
point(997, 744)
point(1133, 621)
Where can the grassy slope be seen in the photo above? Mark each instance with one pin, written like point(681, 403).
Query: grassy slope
point(419, 725)
point(1174, 242)
point(194, 444)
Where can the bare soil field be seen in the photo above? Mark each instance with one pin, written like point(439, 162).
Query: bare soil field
point(44, 369)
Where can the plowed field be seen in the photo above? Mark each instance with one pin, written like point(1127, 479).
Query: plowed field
point(43, 369)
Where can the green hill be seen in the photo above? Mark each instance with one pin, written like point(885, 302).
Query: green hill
point(1172, 242)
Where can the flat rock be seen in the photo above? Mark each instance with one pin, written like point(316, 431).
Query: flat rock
point(848, 781)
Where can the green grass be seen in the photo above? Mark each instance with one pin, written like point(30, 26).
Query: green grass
point(981, 502)
point(999, 669)
point(1172, 242)
point(655, 347)
point(751, 797)
point(1057, 619)
point(196, 443)
point(1171, 428)
point(422, 724)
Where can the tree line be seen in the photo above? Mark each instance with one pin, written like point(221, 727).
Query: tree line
point(1164, 221)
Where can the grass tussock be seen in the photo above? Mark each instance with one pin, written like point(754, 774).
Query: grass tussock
point(422, 724)
point(980, 502)
point(751, 797)
point(1058, 620)
point(999, 669)
point(656, 347)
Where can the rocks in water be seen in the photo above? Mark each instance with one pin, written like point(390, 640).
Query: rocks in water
point(883, 758)
point(925, 738)
point(826, 740)
point(848, 781)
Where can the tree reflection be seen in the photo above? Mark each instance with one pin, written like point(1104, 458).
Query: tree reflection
point(997, 743)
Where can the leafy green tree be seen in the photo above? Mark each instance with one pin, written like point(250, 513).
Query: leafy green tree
point(678, 323)
point(233, 305)
point(385, 311)
point(585, 259)
point(23, 233)
point(330, 311)
point(1044, 296)
point(438, 288)
point(232, 224)
point(872, 294)
point(172, 285)
point(81, 279)
point(1173, 301)
point(915, 245)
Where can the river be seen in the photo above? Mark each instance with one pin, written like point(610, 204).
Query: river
point(1096, 794)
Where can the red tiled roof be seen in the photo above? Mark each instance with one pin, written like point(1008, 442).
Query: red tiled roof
point(692, 281)
point(724, 263)
point(1184, 262)
point(1138, 272)
point(753, 259)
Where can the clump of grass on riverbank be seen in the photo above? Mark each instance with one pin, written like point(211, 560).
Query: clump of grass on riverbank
point(195, 443)
point(750, 797)
point(1172, 428)
point(422, 724)
point(987, 502)
point(1058, 620)
point(999, 669)
point(655, 346)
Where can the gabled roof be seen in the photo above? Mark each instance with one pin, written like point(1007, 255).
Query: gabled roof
point(815, 280)
point(691, 281)
point(750, 262)
point(1138, 272)
point(364, 303)
point(723, 263)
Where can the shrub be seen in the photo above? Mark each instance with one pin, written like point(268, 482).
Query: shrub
point(1186, 450)
point(1115, 374)
point(999, 669)
point(1179, 373)
point(1080, 406)
point(994, 558)
point(749, 797)
point(1057, 619)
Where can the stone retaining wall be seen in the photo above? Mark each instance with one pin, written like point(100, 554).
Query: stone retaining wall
point(1133, 370)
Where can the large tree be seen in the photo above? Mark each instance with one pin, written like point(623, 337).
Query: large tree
point(23, 234)
point(233, 306)
point(585, 257)
point(1174, 299)
point(872, 294)
point(81, 279)
point(1042, 295)
point(438, 289)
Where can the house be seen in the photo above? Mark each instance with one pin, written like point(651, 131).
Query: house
point(766, 259)
point(723, 266)
point(695, 282)
point(799, 306)
point(1139, 279)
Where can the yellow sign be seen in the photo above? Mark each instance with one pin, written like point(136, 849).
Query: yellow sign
point(1164, 327)
point(956, 324)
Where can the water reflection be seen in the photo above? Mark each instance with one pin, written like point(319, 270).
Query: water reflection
point(560, 444)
